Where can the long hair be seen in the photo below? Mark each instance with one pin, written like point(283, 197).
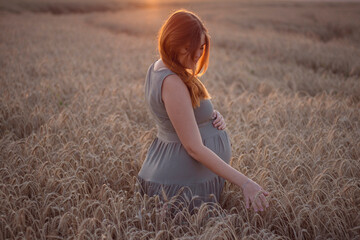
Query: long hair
point(184, 27)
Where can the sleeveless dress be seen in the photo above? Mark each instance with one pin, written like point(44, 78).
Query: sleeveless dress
point(168, 170)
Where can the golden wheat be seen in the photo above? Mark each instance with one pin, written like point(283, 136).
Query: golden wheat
point(74, 127)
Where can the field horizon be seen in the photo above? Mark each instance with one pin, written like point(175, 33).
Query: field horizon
point(75, 129)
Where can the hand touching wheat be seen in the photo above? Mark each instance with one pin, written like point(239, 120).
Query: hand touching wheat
point(255, 194)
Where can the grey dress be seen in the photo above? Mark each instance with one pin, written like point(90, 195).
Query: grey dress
point(168, 169)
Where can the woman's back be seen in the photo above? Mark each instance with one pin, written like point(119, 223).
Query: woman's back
point(153, 83)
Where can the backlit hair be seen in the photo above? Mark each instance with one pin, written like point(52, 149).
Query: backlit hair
point(181, 28)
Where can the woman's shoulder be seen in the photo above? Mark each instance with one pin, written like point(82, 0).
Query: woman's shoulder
point(161, 75)
point(162, 72)
point(174, 87)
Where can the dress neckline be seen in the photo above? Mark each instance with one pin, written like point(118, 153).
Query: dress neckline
point(160, 70)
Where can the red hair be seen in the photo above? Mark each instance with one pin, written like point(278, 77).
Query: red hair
point(181, 28)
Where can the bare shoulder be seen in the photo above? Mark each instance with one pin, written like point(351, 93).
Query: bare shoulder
point(174, 86)
point(174, 80)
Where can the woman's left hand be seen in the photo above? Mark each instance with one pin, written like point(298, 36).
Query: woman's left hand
point(218, 121)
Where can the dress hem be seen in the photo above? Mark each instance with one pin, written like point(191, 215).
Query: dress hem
point(192, 196)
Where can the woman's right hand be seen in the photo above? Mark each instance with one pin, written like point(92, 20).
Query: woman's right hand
point(256, 195)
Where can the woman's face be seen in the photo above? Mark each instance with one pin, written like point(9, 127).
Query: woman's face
point(185, 58)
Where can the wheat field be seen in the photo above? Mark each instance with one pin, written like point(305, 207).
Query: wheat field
point(74, 127)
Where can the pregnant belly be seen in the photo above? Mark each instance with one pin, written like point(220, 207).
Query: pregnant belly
point(216, 140)
point(168, 162)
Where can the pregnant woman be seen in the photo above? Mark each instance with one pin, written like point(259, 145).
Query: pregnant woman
point(190, 156)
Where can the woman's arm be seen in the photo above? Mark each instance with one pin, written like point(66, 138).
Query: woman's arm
point(177, 101)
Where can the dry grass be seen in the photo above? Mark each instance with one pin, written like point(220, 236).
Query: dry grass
point(74, 128)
